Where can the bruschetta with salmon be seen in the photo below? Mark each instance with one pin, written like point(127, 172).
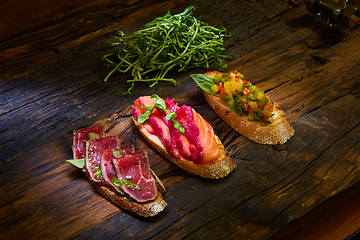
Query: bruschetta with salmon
point(183, 136)
point(120, 174)
point(244, 107)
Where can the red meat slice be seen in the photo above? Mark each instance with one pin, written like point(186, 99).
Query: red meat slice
point(135, 167)
point(107, 167)
point(94, 152)
point(79, 138)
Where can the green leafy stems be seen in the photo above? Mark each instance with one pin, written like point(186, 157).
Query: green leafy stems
point(160, 104)
point(167, 43)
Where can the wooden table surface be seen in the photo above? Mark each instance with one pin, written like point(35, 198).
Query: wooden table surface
point(51, 83)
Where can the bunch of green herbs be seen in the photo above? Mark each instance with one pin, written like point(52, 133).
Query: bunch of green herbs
point(172, 42)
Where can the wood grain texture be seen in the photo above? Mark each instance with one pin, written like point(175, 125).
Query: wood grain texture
point(317, 228)
point(51, 83)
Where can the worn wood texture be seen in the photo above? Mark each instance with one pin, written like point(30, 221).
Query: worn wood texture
point(51, 83)
point(340, 221)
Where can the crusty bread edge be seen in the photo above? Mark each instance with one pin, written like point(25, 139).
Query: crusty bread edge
point(277, 132)
point(217, 169)
point(148, 209)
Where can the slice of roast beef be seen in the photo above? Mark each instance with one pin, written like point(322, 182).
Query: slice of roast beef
point(94, 152)
point(127, 149)
point(107, 167)
point(135, 167)
point(80, 136)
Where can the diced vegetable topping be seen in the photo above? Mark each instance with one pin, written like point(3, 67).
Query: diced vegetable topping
point(242, 97)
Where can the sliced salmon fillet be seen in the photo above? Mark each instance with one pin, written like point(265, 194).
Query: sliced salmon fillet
point(207, 143)
point(207, 139)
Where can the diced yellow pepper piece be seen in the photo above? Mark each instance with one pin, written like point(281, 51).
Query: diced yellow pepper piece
point(228, 98)
point(238, 85)
point(229, 88)
point(215, 88)
point(260, 95)
point(253, 106)
point(218, 78)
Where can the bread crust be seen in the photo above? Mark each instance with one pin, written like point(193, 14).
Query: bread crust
point(277, 132)
point(217, 169)
point(148, 209)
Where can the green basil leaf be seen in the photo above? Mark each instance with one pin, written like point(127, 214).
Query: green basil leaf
point(148, 108)
point(178, 126)
point(80, 163)
point(159, 102)
point(204, 82)
point(171, 115)
point(144, 117)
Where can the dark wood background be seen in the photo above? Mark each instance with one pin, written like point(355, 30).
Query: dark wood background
point(51, 83)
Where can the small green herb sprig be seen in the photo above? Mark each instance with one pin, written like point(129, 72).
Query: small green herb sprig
point(127, 182)
point(160, 104)
point(170, 42)
point(98, 172)
point(79, 163)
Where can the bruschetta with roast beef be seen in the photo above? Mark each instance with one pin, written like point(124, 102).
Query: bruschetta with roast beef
point(183, 136)
point(120, 174)
point(244, 107)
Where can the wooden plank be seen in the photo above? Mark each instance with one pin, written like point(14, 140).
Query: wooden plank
point(340, 222)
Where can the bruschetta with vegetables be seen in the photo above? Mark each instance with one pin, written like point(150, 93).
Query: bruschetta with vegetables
point(244, 107)
point(183, 136)
point(120, 174)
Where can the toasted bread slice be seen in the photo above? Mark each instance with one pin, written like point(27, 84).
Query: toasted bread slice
point(217, 169)
point(148, 209)
point(277, 132)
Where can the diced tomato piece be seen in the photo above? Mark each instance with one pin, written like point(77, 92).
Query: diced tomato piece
point(222, 94)
point(268, 107)
point(246, 91)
